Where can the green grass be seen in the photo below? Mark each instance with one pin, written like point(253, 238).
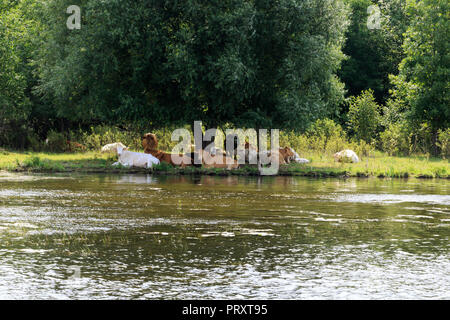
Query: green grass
point(59, 162)
point(321, 165)
point(378, 165)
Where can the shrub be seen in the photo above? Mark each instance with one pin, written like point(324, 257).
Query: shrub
point(75, 147)
point(326, 136)
point(34, 142)
point(325, 128)
point(336, 144)
point(421, 141)
point(14, 135)
point(444, 142)
point(395, 140)
point(364, 116)
point(56, 142)
point(363, 149)
point(298, 142)
point(98, 136)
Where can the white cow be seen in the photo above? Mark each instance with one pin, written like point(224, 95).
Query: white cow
point(346, 156)
point(135, 159)
point(297, 157)
point(112, 147)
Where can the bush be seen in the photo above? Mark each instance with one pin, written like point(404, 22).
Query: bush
point(75, 147)
point(298, 142)
point(336, 144)
point(421, 139)
point(325, 128)
point(56, 142)
point(13, 134)
point(98, 136)
point(34, 142)
point(363, 149)
point(326, 136)
point(444, 142)
point(364, 116)
point(395, 140)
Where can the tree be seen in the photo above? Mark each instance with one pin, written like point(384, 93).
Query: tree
point(364, 116)
point(420, 92)
point(18, 31)
point(375, 53)
point(426, 66)
point(253, 63)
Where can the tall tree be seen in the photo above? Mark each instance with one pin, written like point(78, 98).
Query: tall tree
point(373, 53)
point(364, 116)
point(18, 33)
point(252, 63)
point(425, 70)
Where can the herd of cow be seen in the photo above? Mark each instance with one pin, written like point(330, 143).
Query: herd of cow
point(211, 158)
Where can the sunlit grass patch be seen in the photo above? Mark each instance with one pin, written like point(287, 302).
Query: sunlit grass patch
point(381, 165)
point(36, 161)
point(321, 165)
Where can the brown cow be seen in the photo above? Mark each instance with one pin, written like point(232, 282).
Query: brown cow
point(150, 144)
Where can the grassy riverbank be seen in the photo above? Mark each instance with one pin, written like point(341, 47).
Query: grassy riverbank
point(378, 165)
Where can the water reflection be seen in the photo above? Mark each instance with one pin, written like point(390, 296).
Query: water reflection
point(206, 237)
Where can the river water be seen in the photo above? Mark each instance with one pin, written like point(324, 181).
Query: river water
point(155, 237)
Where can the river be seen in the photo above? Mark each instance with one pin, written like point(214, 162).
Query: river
point(181, 237)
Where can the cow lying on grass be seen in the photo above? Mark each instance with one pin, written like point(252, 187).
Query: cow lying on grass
point(135, 159)
point(150, 145)
point(346, 156)
point(297, 158)
point(285, 155)
point(216, 160)
point(219, 160)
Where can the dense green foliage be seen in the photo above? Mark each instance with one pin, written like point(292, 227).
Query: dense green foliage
point(140, 65)
point(364, 116)
point(427, 63)
point(270, 63)
point(18, 34)
point(373, 54)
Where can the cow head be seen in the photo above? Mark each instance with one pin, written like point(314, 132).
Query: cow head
point(149, 141)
